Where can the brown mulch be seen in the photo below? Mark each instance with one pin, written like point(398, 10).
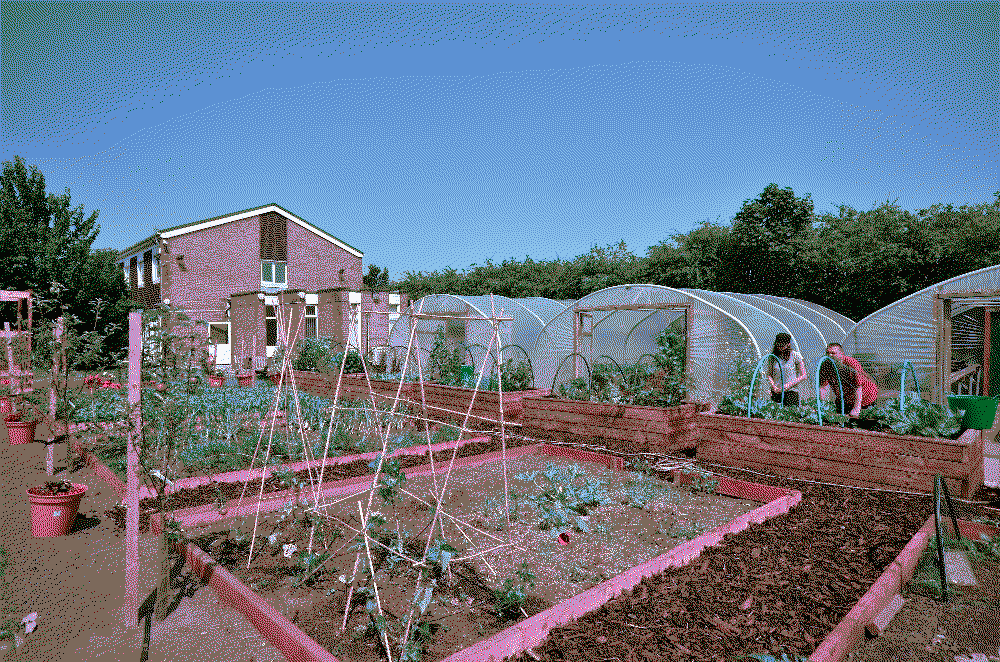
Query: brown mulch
point(778, 587)
point(190, 497)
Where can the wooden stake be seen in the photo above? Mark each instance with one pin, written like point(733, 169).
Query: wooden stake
point(132, 477)
point(350, 592)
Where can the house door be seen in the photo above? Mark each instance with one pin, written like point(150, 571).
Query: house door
point(220, 339)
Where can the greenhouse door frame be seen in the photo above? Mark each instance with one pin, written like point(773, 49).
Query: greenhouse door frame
point(581, 314)
point(988, 299)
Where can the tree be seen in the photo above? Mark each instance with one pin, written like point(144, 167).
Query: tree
point(376, 280)
point(760, 256)
point(45, 246)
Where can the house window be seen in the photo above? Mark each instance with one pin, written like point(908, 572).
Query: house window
point(156, 266)
point(273, 274)
point(271, 326)
point(393, 311)
point(141, 266)
point(312, 328)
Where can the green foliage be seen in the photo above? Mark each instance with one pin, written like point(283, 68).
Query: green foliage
point(445, 365)
point(566, 495)
point(658, 383)
point(918, 417)
point(509, 598)
point(701, 481)
point(46, 241)
point(854, 262)
point(376, 280)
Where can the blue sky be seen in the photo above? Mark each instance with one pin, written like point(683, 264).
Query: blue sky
point(442, 135)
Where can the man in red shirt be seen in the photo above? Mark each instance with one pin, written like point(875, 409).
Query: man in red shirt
point(869, 390)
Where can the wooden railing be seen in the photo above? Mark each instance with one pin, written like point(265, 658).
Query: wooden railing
point(968, 380)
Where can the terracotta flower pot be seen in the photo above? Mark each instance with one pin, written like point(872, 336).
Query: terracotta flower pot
point(21, 432)
point(216, 380)
point(53, 514)
point(245, 380)
point(6, 406)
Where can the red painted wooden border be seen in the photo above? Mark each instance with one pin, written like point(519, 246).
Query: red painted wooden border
point(846, 635)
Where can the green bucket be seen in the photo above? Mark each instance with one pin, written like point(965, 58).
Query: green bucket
point(980, 412)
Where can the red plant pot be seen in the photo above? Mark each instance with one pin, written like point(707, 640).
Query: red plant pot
point(216, 381)
point(275, 378)
point(21, 432)
point(6, 406)
point(245, 380)
point(53, 514)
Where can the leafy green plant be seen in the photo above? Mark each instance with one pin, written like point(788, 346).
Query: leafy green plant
point(566, 496)
point(701, 481)
point(658, 382)
point(445, 364)
point(916, 417)
point(510, 597)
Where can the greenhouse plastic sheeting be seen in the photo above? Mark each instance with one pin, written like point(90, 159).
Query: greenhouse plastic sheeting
point(905, 331)
point(529, 316)
point(723, 327)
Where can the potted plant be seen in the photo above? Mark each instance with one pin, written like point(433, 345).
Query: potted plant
point(22, 420)
point(54, 506)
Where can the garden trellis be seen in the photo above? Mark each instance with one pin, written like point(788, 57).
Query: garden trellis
point(721, 328)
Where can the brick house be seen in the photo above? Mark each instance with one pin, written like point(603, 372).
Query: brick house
point(244, 271)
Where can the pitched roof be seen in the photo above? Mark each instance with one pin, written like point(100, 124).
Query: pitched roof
point(194, 226)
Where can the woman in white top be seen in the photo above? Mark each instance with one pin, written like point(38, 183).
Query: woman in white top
point(792, 370)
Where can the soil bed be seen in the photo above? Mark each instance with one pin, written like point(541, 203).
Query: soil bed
point(464, 611)
point(777, 588)
point(927, 629)
point(190, 497)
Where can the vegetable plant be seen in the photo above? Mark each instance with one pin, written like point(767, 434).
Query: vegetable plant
point(566, 496)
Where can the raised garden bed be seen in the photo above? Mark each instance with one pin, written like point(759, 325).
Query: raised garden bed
point(621, 536)
point(624, 428)
point(842, 455)
point(443, 402)
point(352, 386)
point(779, 588)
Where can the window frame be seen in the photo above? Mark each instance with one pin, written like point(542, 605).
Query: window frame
point(273, 282)
point(314, 317)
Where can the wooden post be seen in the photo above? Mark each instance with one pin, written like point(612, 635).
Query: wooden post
point(132, 478)
point(946, 351)
point(987, 341)
point(58, 356)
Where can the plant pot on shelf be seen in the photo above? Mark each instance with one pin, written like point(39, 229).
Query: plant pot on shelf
point(53, 511)
point(216, 380)
point(245, 380)
point(21, 432)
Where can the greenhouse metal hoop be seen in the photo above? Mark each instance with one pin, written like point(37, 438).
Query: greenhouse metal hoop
point(563, 362)
point(840, 384)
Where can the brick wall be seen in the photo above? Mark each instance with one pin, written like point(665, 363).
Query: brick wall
point(314, 263)
point(217, 262)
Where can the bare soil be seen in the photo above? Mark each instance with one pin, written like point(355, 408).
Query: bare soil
point(777, 588)
point(622, 536)
point(928, 629)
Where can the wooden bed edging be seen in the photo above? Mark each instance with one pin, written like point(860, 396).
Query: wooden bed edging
point(287, 637)
point(846, 635)
point(637, 428)
point(841, 455)
point(208, 514)
point(533, 631)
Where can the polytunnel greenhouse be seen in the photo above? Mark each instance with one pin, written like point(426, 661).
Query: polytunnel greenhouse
point(620, 324)
point(944, 331)
point(465, 321)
